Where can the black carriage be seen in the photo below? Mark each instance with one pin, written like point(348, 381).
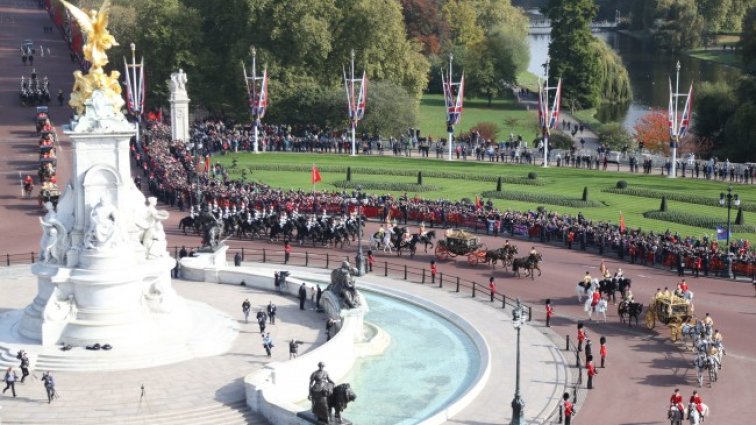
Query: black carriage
point(41, 118)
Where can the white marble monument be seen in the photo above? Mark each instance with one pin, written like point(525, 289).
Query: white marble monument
point(179, 106)
point(104, 273)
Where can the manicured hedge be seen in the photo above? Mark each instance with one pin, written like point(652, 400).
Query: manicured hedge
point(675, 196)
point(399, 187)
point(408, 173)
point(542, 198)
point(695, 220)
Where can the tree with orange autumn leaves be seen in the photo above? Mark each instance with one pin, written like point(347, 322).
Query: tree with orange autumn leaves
point(652, 130)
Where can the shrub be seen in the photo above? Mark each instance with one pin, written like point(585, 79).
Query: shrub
point(739, 218)
point(530, 181)
point(488, 130)
point(532, 175)
point(349, 174)
point(695, 220)
point(559, 140)
point(621, 184)
point(498, 184)
point(420, 178)
point(385, 186)
point(585, 193)
point(676, 196)
point(542, 198)
point(663, 206)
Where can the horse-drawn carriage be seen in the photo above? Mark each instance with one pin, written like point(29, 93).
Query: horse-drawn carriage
point(41, 118)
point(49, 193)
point(459, 242)
point(673, 311)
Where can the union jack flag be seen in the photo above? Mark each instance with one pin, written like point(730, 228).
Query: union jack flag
point(357, 103)
point(453, 103)
point(678, 125)
point(259, 101)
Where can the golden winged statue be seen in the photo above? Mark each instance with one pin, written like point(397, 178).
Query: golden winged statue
point(98, 41)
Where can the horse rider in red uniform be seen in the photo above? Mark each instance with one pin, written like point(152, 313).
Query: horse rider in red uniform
point(676, 400)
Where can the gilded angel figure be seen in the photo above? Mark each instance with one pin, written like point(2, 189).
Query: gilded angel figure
point(94, 25)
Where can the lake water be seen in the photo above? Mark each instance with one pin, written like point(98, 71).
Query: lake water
point(649, 70)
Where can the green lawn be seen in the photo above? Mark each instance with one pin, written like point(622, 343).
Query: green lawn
point(560, 181)
point(506, 113)
point(725, 57)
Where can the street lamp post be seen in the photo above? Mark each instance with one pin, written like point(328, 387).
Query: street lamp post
point(729, 200)
point(519, 318)
point(360, 256)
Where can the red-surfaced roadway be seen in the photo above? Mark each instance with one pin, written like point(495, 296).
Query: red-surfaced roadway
point(643, 366)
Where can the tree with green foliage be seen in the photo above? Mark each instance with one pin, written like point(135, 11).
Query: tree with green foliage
point(390, 110)
point(679, 25)
point(725, 119)
point(613, 78)
point(572, 50)
point(488, 40)
point(615, 136)
point(747, 42)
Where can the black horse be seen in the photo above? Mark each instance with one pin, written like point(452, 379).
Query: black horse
point(528, 263)
point(631, 309)
point(188, 222)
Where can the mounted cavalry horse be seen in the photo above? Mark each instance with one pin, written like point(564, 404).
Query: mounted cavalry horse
point(529, 263)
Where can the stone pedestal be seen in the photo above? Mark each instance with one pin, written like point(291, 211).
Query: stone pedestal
point(179, 106)
point(104, 275)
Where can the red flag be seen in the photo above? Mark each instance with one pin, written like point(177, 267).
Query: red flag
point(207, 163)
point(315, 175)
point(622, 223)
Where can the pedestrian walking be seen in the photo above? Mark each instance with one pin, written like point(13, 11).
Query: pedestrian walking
point(580, 336)
point(261, 317)
point(602, 351)
point(302, 296)
point(61, 98)
point(287, 252)
point(318, 295)
point(549, 313)
point(492, 287)
point(569, 409)
point(246, 306)
point(591, 371)
point(24, 365)
point(294, 349)
point(49, 382)
point(272, 312)
point(10, 381)
point(267, 342)
point(434, 270)
point(237, 259)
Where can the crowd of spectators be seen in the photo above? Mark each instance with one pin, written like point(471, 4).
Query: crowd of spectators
point(182, 175)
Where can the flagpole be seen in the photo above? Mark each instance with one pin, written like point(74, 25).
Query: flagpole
point(451, 126)
point(352, 108)
point(254, 98)
point(547, 119)
point(676, 126)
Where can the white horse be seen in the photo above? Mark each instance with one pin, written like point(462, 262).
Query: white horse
point(675, 416)
point(601, 308)
point(704, 362)
point(581, 291)
point(694, 416)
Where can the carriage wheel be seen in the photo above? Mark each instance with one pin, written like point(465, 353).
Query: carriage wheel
point(441, 253)
point(650, 319)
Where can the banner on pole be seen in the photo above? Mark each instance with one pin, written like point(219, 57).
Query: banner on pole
point(315, 174)
point(356, 103)
point(722, 233)
point(453, 100)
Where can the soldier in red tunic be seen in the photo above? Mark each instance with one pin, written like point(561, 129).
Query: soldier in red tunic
point(433, 270)
point(569, 410)
point(602, 350)
point(676, 400)
point(549, 313)
point(580, 336)
point(591, 371)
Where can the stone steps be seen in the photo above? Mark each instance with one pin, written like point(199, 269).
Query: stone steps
point(227, 414)
point(209, 337)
